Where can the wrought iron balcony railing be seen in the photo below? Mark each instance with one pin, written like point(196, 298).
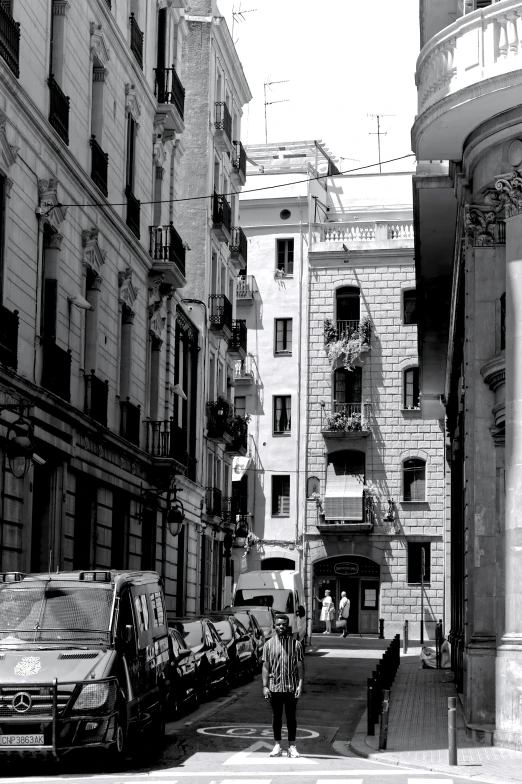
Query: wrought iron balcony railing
point(346, 327)
point(58, 109)
point(346, 419)
point(239, 243)
point(99, 166)
point(136, 40)
point(244, 369)
point(96, 398)
point(168, 88)
point(167, 245)
point(239, 160)
point(9, 40)
point(234, 508)
point(8, 337)
point(56, 370)
point(220, 312)
point(237, 344)
point(221, 212)
point(223, 119)
point(218, 418)
point(130, 421)
point(246, 287)
point(133, 212)
point(214, 501)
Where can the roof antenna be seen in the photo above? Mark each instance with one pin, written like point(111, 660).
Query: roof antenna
point(238, 16)
point(379, 134)
point(269, 103)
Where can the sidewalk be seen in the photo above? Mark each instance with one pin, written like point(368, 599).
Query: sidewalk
point(418, 735)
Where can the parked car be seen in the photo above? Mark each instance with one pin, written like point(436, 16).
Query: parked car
point(265, 616)
point(183, 675)
point(212, 661)
point(241, 647)
point(251, 624)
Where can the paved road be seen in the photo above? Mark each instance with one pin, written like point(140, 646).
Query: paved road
point(228, 739)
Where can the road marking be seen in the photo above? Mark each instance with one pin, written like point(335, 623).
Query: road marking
point(255, 732)
point(339, 781)
point(244, 758)
point(173, 777)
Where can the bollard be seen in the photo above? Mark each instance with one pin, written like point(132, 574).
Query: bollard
point(369, 707)
point(383, 730)
point(381, 628)
point(452, 731)
point(405, 638)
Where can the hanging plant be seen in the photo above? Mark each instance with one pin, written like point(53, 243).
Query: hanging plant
point(341, 422)
point(318, 500)
point(349, 346)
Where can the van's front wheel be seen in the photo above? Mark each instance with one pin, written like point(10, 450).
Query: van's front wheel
point(118, 749)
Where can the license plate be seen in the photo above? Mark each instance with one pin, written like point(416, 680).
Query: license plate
point(21, 740)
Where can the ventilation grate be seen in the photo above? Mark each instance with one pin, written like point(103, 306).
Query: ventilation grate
point(77, 655)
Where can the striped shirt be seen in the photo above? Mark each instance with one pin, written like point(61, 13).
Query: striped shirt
point(281, 657)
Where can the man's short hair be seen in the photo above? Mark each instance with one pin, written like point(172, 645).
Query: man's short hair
point(282, 617)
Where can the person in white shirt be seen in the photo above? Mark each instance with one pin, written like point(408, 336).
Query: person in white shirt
point(344, 612)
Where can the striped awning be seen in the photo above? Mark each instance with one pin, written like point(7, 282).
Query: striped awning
point(343, 498)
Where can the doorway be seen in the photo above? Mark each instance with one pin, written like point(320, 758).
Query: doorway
point(351, 586)
point(359, 577)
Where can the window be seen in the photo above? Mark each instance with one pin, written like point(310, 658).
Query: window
point(281, 496)
point(417, 553)
point(414, 480)
point(283, 336)
point(410, 307)
point(240, 405)
point(285, 256)
point(131, 152)
point(142, 612)
point(348, 305)
point(282, 414)
point(158, 610)
point(411, 388)
point(347, 391)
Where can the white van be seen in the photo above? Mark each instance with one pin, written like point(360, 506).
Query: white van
point(281, 590)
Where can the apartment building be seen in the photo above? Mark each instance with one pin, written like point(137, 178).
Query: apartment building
point(467, 203)
point(349, 486)
point(100, 358)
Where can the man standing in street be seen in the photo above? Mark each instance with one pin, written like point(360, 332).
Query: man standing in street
point(344, 612)
point(283, 682)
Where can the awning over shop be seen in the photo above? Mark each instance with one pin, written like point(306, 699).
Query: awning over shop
point(343, 498)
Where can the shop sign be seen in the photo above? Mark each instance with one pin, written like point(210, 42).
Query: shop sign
point(346, 568)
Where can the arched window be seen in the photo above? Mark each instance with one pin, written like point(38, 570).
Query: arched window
point(347, 309)
point(347, 391)
point(411, 388)
point(414, 479)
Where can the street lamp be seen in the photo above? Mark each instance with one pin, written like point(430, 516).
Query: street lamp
point(175, 517)
point(20, 446)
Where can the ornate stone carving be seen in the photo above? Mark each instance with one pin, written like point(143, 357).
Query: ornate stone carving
point(99, 74)
point(157, 321)
point(54, 241)
point(479, 224)
point(159, 153)
point(131, 101)
point(53, 212)
point(507, 194)
point(187, 327)
point(8, 185)
point(99, 47)
point(128, 292)
point(60, 7)
point(93, 256)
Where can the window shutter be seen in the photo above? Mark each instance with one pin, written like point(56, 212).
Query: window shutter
point(344, 495)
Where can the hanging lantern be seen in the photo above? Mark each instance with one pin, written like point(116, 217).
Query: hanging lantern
point(20, 447)
point(175, 518)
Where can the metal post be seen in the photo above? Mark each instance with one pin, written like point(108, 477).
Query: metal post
point(423, 566)
point(452, 730)
point(383, 730)
point(405, 638)
point(381, 628)
point(369, 707)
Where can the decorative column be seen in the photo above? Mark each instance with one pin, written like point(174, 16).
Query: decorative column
point(127, 329)
point(92, 317)
point(508, 730)
point(59, 10)
point(51, 283)
point(155, 365)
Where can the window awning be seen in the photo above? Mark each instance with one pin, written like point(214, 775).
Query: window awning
point(343, 498)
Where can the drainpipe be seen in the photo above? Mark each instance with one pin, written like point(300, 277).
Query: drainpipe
point(299, 385)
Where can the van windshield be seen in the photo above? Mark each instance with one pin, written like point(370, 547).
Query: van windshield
point(193, 634)
point(264, 617)
point(53, 611)
point(279, 599)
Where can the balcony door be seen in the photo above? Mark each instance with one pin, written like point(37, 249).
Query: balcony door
point(347, 390)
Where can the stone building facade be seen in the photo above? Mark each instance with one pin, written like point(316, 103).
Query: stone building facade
point(364, 469)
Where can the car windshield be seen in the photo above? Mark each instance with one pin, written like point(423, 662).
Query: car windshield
point(244, 619)
point(224, 629)
point(264, 617)
point(193, 633)
point(279, 599)
point(54, 611)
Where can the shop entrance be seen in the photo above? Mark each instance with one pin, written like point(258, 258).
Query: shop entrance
point(360, 578)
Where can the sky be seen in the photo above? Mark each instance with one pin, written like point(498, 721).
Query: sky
point(344, 59)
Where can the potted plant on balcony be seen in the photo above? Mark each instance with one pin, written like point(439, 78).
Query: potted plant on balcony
point(218, 413)
point(349, 346)
point(341, 422)
point(237, 426)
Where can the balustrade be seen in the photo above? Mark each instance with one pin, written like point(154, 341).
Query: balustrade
point(221, 212)
point(220, 312)
point(223, 119)
point(166, 245)
point(245, 287)
point(239, 161)
point(356, 232)
point(239, 243)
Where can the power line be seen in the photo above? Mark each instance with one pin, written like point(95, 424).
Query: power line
point(234, 193)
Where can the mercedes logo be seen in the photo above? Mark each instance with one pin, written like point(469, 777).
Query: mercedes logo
point(22, 702)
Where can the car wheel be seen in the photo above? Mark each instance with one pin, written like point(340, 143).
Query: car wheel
point(117, 751)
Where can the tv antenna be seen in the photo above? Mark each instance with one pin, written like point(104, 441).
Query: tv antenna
point(239, 16)
point(269, 103)
point(379, 133)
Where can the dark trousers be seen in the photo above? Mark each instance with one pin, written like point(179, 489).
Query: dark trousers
point(278, 700)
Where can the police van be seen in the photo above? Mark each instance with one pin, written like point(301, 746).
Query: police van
point(84, 660)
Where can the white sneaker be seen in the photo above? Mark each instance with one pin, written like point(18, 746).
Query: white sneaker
point(292, 752)
point(277, 751)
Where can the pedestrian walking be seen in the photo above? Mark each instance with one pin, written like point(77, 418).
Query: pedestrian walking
point(327, 611)
point(344, 613)
point(283, 682)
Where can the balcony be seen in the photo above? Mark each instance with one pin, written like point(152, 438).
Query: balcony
point(130, 422)
point(347, 421)
point(9, 40)
point(347, 327)
point(220, 315)
point(58, 109)
point(136, 40)
point(244, 371)
point(365, 236)
point(56, 370)
point(8, 337)
point(167, 440)
point(234, 509)
point(237, 345)
point(364, 522)
point(99, 166)
point(238, 247)
point(133, 212)
point(466, 74)
point(218, 421)
point(96, 398)
point(170, 95)
point(223, 128)
point(221, 218)
point(167, 251)
point(238, 429)
point(213, 501)
point(239, 164)
point(246, 288)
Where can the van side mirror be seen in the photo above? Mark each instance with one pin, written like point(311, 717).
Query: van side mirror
point(128, 633)
point(301, 611)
